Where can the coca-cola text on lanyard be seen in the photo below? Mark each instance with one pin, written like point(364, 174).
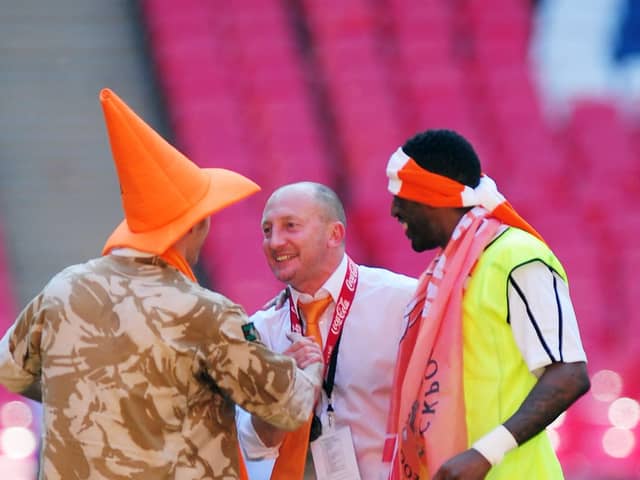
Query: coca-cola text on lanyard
point(343, 305)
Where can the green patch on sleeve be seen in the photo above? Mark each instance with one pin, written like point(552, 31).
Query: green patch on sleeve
point(250, 332)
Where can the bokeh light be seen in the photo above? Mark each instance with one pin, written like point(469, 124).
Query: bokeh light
point(17, 442)
point(624, 413)
point(606, 385)
point(16, 414)
point(618, 442)
point(17, 469)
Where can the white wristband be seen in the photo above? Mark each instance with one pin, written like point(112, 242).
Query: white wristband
point(495, 444)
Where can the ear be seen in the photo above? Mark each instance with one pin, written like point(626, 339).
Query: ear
point(337, 233)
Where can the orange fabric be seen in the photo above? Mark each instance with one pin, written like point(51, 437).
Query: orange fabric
point(506, 213)
point(311, 312)
point(426, 417)
point(174, 258)
point(427, 187)
point(412, 182)
point(163, 193)
point(292, 455)
point(244, 475)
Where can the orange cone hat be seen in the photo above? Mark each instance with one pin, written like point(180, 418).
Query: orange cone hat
point(163, 193)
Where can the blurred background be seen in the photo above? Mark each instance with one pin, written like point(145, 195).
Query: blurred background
point(548, 92)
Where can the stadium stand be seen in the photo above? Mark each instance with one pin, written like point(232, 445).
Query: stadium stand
point(301, 89)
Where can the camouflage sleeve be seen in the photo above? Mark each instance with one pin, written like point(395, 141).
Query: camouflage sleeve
point(260, 381)
point(20, 349)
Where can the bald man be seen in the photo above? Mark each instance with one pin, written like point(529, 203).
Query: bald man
point(304, 229)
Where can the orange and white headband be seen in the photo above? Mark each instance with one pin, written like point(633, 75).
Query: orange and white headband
point(410, 181)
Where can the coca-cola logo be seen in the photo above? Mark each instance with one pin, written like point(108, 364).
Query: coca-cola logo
point(341, 312)
point(350, 282)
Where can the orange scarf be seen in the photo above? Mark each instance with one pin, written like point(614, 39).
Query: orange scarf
point(426, 423)
point(292, 458)
point(175, 259)
point(410, 181)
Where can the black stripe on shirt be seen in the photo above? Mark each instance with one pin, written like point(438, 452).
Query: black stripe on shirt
point(531, 318)
point(555, 291)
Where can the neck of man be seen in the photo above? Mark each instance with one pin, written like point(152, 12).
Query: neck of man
point(312, 285)
point(450, 218)
point(182, 248)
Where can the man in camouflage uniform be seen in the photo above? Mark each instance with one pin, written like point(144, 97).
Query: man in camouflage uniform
point(139, 367)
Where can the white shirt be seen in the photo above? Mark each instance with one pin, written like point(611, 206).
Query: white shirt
point(365, 365)
point(542, 317)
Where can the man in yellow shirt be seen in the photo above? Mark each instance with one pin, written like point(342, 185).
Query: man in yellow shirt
point(492, 352)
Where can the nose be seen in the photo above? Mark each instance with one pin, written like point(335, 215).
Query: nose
point(276, 239)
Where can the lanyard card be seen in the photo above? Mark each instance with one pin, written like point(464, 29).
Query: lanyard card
point(334, 457)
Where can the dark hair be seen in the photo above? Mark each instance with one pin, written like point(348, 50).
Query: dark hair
point(446, 153)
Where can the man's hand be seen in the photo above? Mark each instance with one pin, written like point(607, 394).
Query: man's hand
point(303, 350)
point(308, 357)
point(468, 465)
point(557, 388)
point(269, 435)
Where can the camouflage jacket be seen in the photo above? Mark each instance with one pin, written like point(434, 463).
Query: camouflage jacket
point(140, 369)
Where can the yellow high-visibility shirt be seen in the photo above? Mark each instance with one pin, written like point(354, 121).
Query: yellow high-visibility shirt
point(496, 377)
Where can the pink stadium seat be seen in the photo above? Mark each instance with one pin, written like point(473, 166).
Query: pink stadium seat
point(234, 259)
point(230, 107)
point(336, 18)
point(600, 147)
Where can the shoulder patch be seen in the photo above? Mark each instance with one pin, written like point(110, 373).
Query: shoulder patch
point(250, 332)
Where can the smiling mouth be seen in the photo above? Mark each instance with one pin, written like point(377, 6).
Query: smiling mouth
point(283, 258)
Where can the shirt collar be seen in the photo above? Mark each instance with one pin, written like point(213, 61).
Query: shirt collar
point(332, 286)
